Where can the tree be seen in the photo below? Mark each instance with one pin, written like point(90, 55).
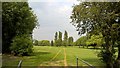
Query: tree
point(36, 42)
point(56, 38)
point(70, 41)
point(1, 28)
point(104, 17)
point(21, 45)
point(60, 39)
point(65, 39)
point(95, 40)
point(17, 19)
point(52, 44)
point(81, 41)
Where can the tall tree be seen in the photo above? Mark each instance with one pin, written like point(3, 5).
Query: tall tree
point(70, 41)
point(56, 38)
point(52, 44)
point(65, 43)
point(60, 39)
point(1, 27)
point(17, 19)
point(104, 17)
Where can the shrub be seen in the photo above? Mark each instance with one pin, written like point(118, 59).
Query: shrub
point(21, 45)
point(35, 42)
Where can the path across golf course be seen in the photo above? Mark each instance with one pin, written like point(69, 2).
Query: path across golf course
point(66, 56)
point(56, 56)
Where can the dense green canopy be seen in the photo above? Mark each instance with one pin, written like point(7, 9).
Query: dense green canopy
point(17, 19)
point(100, 17)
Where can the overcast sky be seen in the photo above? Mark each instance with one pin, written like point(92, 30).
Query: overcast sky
point(53, 16)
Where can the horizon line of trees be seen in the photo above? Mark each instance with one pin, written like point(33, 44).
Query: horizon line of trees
point(95, 41)
point(58, 41)
point(41, 43)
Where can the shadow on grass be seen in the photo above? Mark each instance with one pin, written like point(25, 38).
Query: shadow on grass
point(92, 48)
point(39, 53)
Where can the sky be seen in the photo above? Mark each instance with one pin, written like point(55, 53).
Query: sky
point(53, 16)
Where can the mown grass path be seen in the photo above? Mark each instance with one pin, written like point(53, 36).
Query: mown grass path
point(65, 61)
point(55, 55)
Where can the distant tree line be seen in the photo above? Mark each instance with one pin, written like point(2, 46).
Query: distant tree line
point(58, 41)
point(42, 43)
point(95, 41)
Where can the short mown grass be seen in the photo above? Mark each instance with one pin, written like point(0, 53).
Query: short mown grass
point(88, 55)
point(43, 54)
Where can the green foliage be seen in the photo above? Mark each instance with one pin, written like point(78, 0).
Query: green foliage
point(44, 43)
point(65, 36)
point(52, 44)
point(17, 19)
point(81, 41)
point(70, 41)
point(96, 17)
point(59, 39)
point(35, 42)
point(95, 39)
point(65, 41)
point(60, 35)
point(56, 38)
point(105, 55)
point(21, 45)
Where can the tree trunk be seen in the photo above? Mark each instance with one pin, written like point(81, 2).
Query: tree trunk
point(110, 61)
point(110, 65)
point(83, 46)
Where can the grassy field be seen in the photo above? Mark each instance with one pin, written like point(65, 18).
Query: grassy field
point(55, 56)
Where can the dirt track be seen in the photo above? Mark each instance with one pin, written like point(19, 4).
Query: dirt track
point(65, 62)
